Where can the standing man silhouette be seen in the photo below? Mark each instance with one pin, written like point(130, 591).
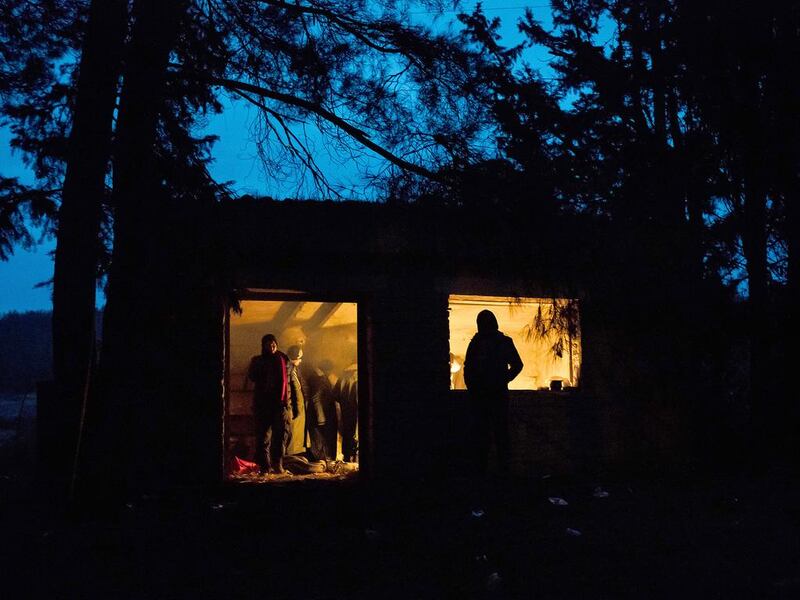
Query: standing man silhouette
point(297, 437)
point(273, 415)
point(492, 361)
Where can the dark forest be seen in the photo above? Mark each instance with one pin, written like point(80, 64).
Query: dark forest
point(664, 133)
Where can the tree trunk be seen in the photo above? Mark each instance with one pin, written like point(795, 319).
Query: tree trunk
point(754, 243)
point(80, 214)
point(125, 370)
point(793, 267)
point(786, 89)
point(791, 330)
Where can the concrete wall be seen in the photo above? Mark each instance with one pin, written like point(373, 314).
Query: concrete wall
point(400, 265)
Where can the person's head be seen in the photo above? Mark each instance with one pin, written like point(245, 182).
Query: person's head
point(487, 322)
point(269, 344)
point(326, 366)
point(295, 354)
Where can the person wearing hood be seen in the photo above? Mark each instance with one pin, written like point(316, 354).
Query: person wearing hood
point(273, 415)
point(321, 417)
point(492, 361)
point(297, 436)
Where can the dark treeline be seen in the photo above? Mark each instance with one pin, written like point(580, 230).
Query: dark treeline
point(670, 122)
point(26, 350)
point(95, 87)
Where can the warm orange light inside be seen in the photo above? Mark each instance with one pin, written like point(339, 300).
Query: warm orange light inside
point(545, 331)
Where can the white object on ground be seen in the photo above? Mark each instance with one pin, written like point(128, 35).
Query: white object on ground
point(573, 532)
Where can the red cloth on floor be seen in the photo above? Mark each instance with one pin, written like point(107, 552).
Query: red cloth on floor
point(241, 466)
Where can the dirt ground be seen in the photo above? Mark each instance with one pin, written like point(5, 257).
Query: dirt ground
point(687, 536)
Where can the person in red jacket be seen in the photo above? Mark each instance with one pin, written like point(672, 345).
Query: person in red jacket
point(273, 415)
point(492, 361)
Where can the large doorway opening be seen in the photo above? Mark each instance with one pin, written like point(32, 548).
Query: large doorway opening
point(316, 435)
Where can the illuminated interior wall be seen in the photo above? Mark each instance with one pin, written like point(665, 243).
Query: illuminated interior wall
point(325, 330)
point(516, 318)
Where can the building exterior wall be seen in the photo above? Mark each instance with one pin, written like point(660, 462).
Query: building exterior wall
point(400, 266)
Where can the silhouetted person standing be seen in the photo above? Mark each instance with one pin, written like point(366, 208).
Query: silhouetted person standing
point(297, 438)
point(491, 363)
point(322, 412)
point(346, 394)
point(273, 416)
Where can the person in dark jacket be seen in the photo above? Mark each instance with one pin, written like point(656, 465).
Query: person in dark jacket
point(297, 437)
point(322, 412)
point(492, 361)
point(273, 416)
point(346, 394)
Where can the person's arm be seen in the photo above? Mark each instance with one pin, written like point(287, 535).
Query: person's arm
point(297, 394)
point(249, 376)
point(317, 401)
point(514, 361)
point(467, 366)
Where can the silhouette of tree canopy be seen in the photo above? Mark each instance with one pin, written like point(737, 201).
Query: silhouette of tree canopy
point(34, 102)
point(673, 120)
point(107, 111)
point(739, 63)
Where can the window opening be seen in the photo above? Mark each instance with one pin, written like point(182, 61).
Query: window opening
point(545, 331)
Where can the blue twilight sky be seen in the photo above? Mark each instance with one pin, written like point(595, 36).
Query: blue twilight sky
point(235, 160)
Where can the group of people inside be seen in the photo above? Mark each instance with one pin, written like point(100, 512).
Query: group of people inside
point(301, 412)
point(296, 414)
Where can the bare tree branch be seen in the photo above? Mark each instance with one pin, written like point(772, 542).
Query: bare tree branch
point(293, 143)
point(354, 132)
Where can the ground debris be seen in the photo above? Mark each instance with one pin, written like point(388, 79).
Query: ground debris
point(573, 532)
point(494, 581)
point(334, 471)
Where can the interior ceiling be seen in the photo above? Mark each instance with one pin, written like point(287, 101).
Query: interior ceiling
point(300, 313)
point(495, 300)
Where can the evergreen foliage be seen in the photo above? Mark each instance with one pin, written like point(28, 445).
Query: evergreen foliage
point(671, 122)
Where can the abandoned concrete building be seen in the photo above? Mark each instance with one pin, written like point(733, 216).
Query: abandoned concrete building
point(386, 296)
point(392, 293)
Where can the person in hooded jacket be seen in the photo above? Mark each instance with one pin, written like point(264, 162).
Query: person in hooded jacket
point(297, 436)
point(273, 415)
point(321, 416)
point(492, 361)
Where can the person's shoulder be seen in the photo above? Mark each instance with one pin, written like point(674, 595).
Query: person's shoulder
point(255, 366)
point(508, 340)
point(498, 337)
